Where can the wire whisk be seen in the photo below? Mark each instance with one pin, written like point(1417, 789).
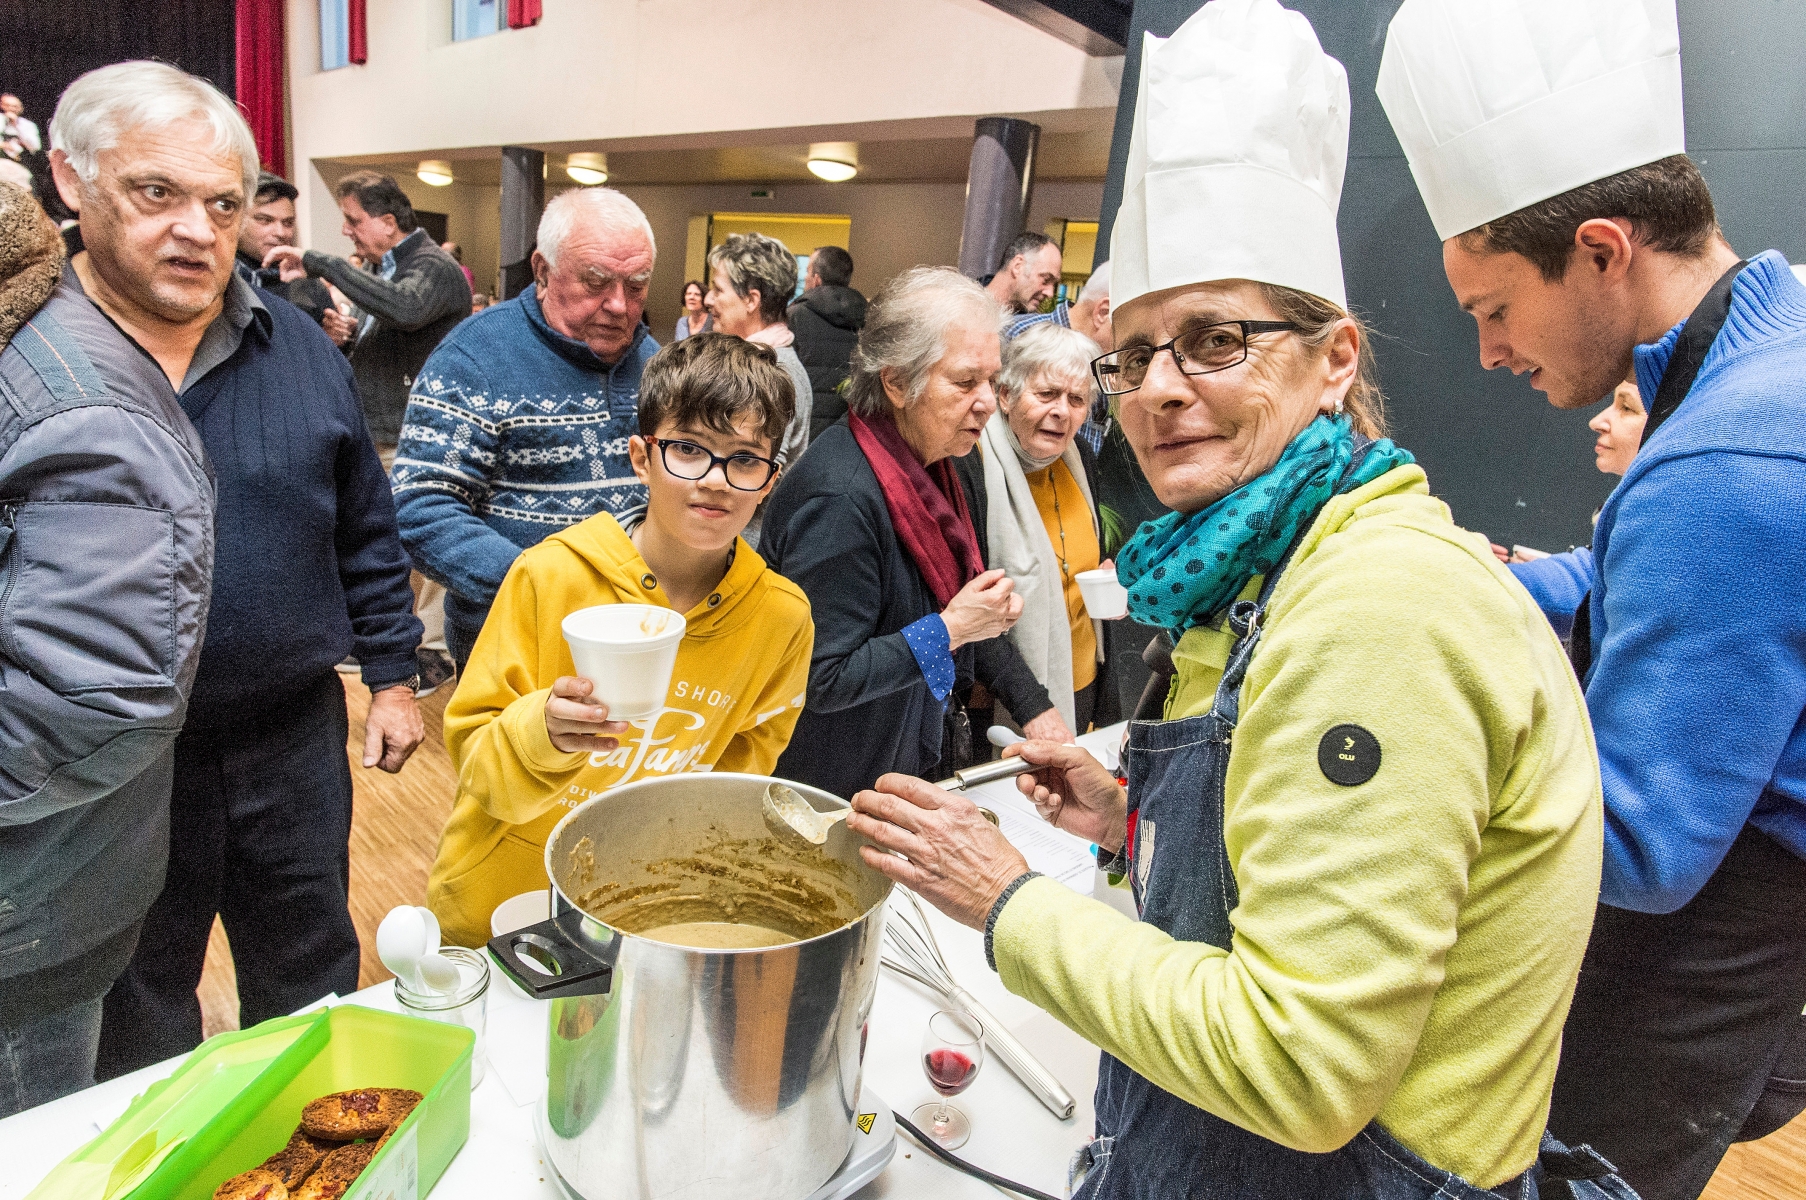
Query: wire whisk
point(910, 949)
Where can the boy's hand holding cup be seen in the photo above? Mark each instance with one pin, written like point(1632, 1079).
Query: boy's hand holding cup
point(624, 655)
point(578, 722)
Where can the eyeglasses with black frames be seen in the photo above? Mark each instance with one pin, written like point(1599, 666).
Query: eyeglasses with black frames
point(1200, 350)
point(686, 460)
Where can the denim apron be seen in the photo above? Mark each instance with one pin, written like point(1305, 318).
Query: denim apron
point(1151, 1144)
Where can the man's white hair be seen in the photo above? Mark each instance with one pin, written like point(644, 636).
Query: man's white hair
point(1097, 287)
point(101, 106)
point(606, 207)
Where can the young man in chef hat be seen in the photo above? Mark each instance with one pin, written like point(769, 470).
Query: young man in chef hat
point(1546, 137)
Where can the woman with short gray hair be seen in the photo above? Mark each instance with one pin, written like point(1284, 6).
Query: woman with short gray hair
point(751, 281)
point(1043, 519)
point(883, 525)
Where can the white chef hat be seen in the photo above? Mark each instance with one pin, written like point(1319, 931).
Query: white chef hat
point(1500, 104)
point(1236, 160)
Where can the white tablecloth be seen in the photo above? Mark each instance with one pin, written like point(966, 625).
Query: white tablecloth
point(1012, 1134)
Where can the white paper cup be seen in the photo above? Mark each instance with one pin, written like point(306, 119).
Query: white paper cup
point(518, 912)
point(1105, 599)
point(627, 652)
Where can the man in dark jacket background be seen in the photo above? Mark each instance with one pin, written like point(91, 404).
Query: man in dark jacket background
point(271, 223)
point(826, 320)
point(409, 294)
point(309, 568)
point(106, 543)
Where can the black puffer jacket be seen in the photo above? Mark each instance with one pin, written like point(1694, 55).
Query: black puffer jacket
point(106, 560)
point(826, 321)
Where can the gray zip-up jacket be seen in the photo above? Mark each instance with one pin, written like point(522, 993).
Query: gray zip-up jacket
point(106, 555)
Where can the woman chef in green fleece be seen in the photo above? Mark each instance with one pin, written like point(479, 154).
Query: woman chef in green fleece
point(1365, 841)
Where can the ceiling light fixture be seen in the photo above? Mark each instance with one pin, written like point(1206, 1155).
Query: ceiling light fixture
point(435, 172)
point(835, 162)
point(587, 167)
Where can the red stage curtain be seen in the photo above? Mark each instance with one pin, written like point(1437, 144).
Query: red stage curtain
point(360, 37)
point(522, 13)
point(260, 60)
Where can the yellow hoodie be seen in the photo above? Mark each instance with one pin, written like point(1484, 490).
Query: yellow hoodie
point(736, 693)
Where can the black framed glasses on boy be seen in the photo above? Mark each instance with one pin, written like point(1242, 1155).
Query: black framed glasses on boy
point(1200, 350)
point(687, 460)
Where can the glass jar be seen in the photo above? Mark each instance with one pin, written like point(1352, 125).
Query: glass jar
point(466, 1005)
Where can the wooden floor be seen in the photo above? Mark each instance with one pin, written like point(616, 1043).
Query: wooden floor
point(395, 829)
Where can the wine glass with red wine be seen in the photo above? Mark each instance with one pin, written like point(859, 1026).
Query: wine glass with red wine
point(952, 1051)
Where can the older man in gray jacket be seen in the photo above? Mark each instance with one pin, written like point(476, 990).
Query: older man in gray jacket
point(106, 552)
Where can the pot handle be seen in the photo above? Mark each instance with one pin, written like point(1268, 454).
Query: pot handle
point(556, 958)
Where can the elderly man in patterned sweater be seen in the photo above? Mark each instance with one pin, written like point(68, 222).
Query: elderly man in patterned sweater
point(517, 426)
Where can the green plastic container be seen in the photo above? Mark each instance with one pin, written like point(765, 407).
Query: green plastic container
point(238, 1098)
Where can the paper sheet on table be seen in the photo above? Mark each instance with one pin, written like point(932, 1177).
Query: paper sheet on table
point(1050, 851)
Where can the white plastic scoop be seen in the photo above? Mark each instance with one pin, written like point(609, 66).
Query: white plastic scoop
point(786, 812)
point(407, 942)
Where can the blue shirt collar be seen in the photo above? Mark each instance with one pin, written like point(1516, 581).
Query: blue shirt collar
point(1766, 300)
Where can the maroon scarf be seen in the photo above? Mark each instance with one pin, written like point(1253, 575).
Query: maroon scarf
point(927, 507)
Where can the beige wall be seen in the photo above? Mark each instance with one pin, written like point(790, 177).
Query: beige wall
point(599, 70)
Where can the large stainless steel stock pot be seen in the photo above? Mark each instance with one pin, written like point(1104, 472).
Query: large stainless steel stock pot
point(680, 1071)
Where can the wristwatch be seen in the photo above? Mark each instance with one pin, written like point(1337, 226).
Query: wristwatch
point(412, 683)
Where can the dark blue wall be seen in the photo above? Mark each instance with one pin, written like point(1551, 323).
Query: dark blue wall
point(1506, 462)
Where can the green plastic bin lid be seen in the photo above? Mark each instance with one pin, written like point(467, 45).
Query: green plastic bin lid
point(172, 1110)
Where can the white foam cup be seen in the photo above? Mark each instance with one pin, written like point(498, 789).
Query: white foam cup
point(1105, 599)
point(518, 912)
point(627, 652)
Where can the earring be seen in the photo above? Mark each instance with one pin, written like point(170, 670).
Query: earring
point(1338, 409)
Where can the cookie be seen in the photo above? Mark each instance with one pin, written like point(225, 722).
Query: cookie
point(297, 1160)
point(255, 1184)
point(337, 1172)
point(360, 1113)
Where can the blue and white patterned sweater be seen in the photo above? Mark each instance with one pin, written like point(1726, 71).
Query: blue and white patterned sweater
point(513, 432)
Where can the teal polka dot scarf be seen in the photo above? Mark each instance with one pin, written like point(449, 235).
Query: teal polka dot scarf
point(1181, 570)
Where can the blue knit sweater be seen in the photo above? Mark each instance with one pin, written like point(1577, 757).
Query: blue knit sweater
point(513, 432)
point(306, 568)
point(1698, 684)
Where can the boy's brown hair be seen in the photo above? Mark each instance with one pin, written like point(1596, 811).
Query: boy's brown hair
point(714, 380)
point(1666, 203)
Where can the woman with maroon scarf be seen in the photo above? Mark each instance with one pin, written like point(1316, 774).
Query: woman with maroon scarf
point(882, 523)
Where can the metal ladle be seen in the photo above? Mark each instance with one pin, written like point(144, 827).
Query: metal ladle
point(787, 813)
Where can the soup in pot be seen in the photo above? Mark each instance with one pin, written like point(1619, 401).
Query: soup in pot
point(729, 894)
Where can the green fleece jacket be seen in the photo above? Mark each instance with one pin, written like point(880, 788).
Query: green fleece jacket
point(1405, 949)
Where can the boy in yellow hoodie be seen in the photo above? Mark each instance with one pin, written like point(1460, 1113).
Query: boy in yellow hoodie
point(529, 742)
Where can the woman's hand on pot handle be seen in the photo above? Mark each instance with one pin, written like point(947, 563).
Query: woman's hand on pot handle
point(983, 609)
point(1073, 791)
point(577, 724)
point(953, 858)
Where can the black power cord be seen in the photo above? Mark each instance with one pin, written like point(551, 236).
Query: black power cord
point(960, 1164)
